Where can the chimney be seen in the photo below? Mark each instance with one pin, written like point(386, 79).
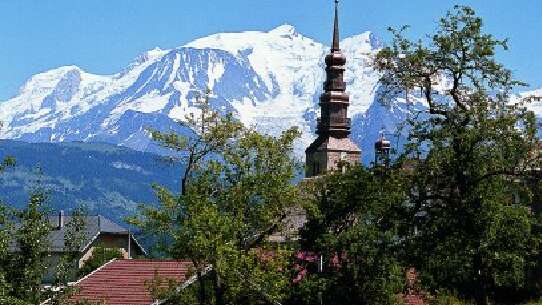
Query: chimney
point(61, 219)
point(129, 245)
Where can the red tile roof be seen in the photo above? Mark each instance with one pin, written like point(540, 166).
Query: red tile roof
point(125, 282)
point(413, 299)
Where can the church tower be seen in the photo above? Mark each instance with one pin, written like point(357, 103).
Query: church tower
point(382, 151)
point(333, 145)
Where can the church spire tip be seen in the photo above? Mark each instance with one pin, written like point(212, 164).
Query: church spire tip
point(335, 46)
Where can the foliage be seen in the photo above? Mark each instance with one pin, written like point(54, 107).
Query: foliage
point(99, 257)
point(164, 289)
point(236, 192)
point(472, 162)
point(24, 252)
point(444, 298)
point(28, 229)
point(211, 134)
point(534, 302)
point(7, 162)
point(352, 224)
point(74, 239)
point(459, 204)
point(64, 296)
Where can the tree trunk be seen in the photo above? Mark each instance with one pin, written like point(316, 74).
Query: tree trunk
point(481, 293)
point(219, 293)
point(184, 177)
point(201, 281)
point(183, 186)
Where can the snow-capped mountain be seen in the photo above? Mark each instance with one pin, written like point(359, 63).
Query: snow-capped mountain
point(271, 80)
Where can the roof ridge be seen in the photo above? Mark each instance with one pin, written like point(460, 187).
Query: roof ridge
point(93, 272)
point(154, 260)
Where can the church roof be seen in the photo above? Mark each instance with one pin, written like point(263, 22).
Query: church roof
point(333, 144)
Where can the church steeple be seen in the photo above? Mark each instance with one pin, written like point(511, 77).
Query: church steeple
point(333, 146)
point(382, 150)
point(334, 101)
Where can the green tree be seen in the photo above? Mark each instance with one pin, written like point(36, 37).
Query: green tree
point(24, 249)
point(238, 193)
point(211, 133)
point(352, 225)
point(67, 269)
point(75, 237)
point(468, 161)
point(99, 257)
point(8, 161)
point(28, 230)
point(6, 230)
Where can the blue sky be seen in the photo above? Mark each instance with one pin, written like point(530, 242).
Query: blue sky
point(103, 36)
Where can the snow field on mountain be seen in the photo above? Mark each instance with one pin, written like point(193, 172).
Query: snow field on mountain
point(270, 80)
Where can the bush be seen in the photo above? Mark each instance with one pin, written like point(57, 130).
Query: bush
point(99, 257)
point(446, 298)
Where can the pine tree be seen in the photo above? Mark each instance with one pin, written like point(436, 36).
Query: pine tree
point(25, 267)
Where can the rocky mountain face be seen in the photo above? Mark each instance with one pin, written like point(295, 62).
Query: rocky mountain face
point(270, 80)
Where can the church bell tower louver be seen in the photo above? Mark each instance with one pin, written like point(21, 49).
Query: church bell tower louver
point(333, 145)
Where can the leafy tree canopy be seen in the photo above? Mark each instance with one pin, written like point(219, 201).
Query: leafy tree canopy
point(237, 190)
point(473, 162)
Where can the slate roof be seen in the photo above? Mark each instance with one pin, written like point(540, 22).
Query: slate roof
point(93, 226)
point(125, 282)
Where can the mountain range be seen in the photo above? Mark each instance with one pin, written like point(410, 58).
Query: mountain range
point(106, 179)
point(270, 80)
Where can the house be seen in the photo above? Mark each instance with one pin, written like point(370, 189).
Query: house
point(126, 282)
point(98, 232)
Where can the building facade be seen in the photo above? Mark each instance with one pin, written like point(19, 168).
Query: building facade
point(98, 232)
